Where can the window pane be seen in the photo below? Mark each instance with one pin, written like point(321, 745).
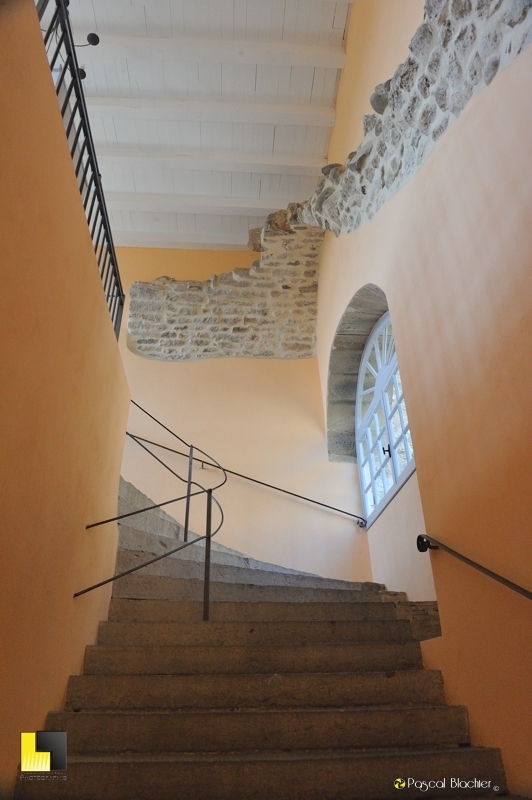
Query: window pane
point(370, 502)
point(396, 425)
point(376, 458)
point(379, 485)
point(373, 430)
point(403, 412)
point(399, 384)
point(391, 348)
point(366, 402)
point(401, 456)
point(388, 475)
point(380, 417)
point(392, 396)
point(379, 347)
point(366, 477)
point(369, 380)
point(372, 360)
point(409, 447)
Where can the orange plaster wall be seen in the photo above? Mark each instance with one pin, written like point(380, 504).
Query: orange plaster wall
point(63, 400)
point(453, 251)
point(261, 417)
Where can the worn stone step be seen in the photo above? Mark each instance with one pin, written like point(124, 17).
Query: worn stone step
point(182, 568)
point(139, 634)
point(272, 690)
point(101, 659)
point(183, 611)
point(162, 588)
point(130, 538)
point(271, 775)
point(222, 730)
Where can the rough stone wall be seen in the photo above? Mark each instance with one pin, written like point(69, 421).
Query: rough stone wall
point(266, 311)
point(457, 50)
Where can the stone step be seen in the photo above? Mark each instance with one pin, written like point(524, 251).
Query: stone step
point(223, 730)
point(139, 634)
point(271, 775)
point(210, 660)
point(183, 611)
point(273, 690)
point(162, 588)
point(130, 538)
point(186, 569)
point(157, 523)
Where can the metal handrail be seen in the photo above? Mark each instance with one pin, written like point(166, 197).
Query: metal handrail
point(361, 522)
point(209, 533)
point(425, 543)
point(61, 52)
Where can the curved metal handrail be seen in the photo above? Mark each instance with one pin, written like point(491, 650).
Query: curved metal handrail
point(142, 442)
point(188, 496)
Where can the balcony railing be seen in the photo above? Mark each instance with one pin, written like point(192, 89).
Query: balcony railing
point(67, 78)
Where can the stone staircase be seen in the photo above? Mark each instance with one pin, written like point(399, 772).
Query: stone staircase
point(298, 688)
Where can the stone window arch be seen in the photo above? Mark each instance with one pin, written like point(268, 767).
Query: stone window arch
point(358, 320)
point(382, 431)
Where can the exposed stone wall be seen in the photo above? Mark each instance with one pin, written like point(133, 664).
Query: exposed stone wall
point(457, 50)
point(266, 311)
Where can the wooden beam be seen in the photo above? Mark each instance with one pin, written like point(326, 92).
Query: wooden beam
point(216, 160)
point(141, 108)
point(218, 51)
point(193, 204)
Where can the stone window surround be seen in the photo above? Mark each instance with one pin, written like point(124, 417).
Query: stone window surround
point(358, 320)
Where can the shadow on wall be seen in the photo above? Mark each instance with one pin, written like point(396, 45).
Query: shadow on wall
point(358, 320)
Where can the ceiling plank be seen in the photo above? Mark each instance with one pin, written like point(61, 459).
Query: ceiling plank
point(203, 159)
point(206, 111)
point(218, 51)
point(193, 204)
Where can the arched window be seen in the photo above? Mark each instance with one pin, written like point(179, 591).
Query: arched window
point(384, 445)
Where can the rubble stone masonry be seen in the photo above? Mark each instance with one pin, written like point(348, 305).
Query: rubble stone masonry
point(266, 311)
point(269, 310)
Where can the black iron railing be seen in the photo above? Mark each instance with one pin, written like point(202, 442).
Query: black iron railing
point(191, 492)
point(425, 543)
point(66, 75)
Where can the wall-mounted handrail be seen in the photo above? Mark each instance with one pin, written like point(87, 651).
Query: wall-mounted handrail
point(425, 543)
point(361, 522)
point(61, 52)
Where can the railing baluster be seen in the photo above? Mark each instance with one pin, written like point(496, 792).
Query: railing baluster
point(189, 483)
point(60, 49)
point(207, 578)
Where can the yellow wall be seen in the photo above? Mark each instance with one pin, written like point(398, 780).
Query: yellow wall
point(63, 400)
point(452, 251)
point(261, 417)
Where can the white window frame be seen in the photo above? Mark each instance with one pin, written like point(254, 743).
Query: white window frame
point(382, 433)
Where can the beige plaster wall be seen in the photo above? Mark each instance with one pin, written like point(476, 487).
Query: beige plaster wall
point(452, 251)
point(63, 400)
point(395, 560)
point(261, 417)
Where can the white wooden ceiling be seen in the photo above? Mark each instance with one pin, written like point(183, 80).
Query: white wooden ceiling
point(208, 114)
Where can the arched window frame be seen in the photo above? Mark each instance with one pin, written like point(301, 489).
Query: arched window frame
point(382, 432)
